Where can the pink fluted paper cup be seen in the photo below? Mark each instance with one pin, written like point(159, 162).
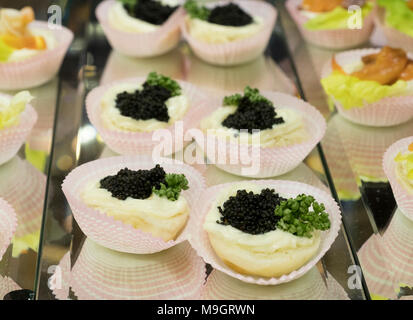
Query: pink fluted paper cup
point(273, 161)
point(365, 146)
point(103, 274)
point(40, 68)
point(7, 285)
point(115, 234)
point(23, 187)
point(339, 164)
point(394, 37)
point(387, 261)
point(60, 280)
point(8, 224)
point(241, 51)
point(403, 197)
point(141, 45)
point(333, 39)
point(199, 238)
point(386, 112)
point(220, 286)
point(129, 143)
point(12, 138)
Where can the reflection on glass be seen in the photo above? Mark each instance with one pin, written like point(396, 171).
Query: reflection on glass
point(387, 260)
point(310, 286)
point(262, 73)
point(120, 67)
point(100, 273)
point(23, 187)
point(365, 146)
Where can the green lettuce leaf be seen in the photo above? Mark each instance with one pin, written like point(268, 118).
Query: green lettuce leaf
point(9, 114)
point(398, 15)
point(352, 92)
point(5, 51)
point(335, 19)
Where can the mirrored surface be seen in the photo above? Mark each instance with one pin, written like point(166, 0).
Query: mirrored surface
point(354, 156)
point(74, 267)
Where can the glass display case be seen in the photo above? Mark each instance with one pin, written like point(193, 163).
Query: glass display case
point(51, 258)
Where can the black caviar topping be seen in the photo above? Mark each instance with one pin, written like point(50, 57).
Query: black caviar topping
point(135, 184)
point(229, 15)
point(150, 11)
point(251, 213)
point(145, 104)
point(257, 115)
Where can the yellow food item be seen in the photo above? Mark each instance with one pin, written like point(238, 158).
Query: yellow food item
point(404, 168)
point(156, 215)
point(10, 109)
point(321, 5)
point(14, 31)
point(271, 254)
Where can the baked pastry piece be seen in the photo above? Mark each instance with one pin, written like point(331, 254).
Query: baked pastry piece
point(221, 24)
point(255, 231)
point(136, 107)
point(141, 16)
point(148, 200)
point(20, 41)
point(243, 117)
point(404, 168)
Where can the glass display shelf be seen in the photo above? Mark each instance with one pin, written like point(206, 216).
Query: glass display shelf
point(72, 266)
point(23, 179)
point(50, 254)
point(380, 234)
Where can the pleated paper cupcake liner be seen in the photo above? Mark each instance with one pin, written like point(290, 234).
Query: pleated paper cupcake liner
point(386, 112)
point(7, 285)
point(273, 161)
point(339, 164)
point(338, 39)
point(40, 68)
point(119, 66)
point(8, 224)
point(102, 274)
point(200, 241)
point(394, 37)
point(365, 146)
point(260, 73)
point(60, 280)
point(129, 143)
point(115, 234)
point(404, 199)
point(219, 286)
point(387, 261)
point(148, 44)
point(236, 52)
point(23, 187)
point(12, 138)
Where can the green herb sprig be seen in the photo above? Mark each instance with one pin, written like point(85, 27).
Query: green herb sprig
point(196, 11)
point(174, 184)
point(298, 218)
point(252, 94)
point(154, 79)
point(130, 4)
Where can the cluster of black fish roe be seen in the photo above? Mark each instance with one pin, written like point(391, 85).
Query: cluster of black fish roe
point(145, 104)
point(150, 11)
point(229, 15)
point(251, 213)
point(135, 184)
point(259, 115)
